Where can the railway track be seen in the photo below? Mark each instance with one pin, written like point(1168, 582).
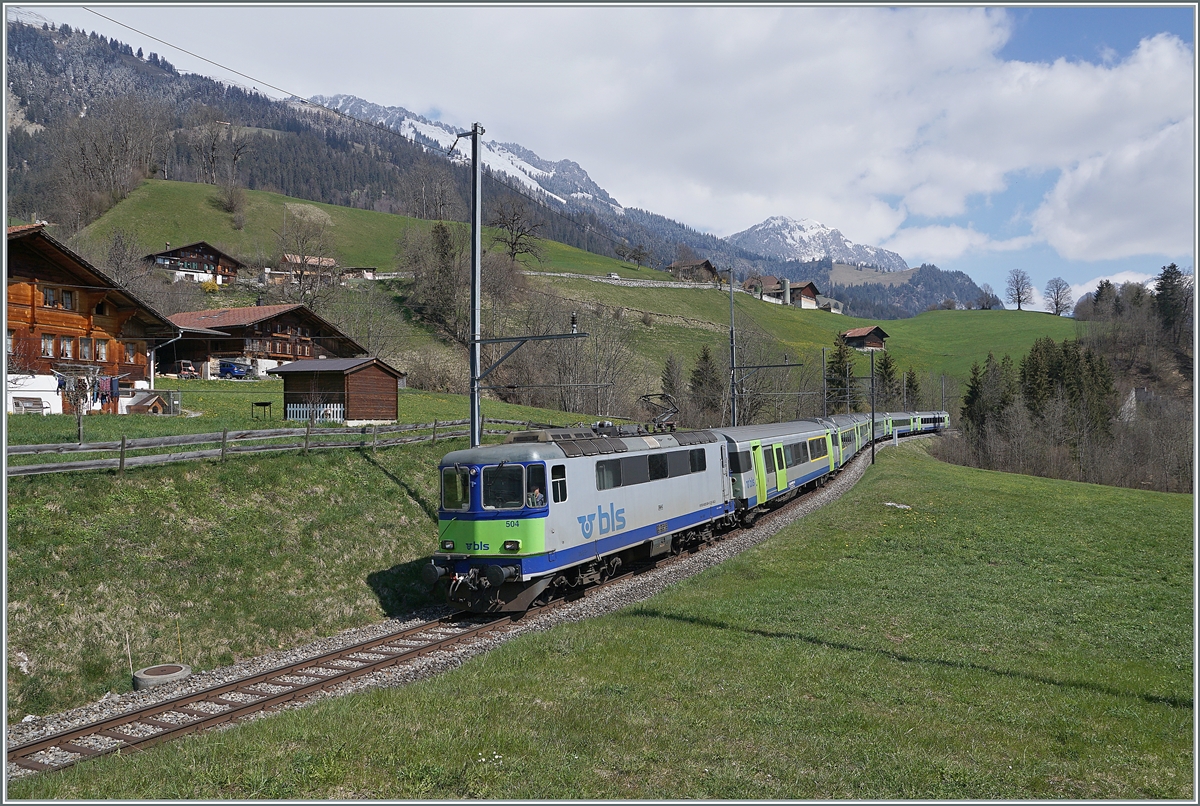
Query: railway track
point(270, 690)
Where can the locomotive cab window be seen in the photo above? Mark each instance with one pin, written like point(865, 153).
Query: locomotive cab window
point(456, 488)
point(558, 481)
point(535, 486)
point(503, 487)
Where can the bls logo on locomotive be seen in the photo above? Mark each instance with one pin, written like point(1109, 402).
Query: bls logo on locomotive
point(611, 521)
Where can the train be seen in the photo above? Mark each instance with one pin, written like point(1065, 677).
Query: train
point(552, 510)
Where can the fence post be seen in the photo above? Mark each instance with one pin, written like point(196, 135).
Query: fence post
point(121, 465)
point(435, 431)
point(224, 442)
point(307, 432)
point(374, 436)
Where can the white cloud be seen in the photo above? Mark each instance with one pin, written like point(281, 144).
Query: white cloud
point(1118, 279)
point(1127, 201)
point(859, 117)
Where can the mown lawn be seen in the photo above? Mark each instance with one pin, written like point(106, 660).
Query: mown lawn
point(1006, 637)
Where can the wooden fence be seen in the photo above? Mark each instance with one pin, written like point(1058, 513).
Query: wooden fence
point(230, 443)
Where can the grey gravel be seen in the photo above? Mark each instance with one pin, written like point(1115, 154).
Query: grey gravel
point(600, 602)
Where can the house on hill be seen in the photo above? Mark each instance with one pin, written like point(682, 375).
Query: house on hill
point(67, 318)
point(198, 262)
point(356, 391)
point(805, 296)
point(693, 271)
point(866, 338)
point(266, 335)
point(307, 269)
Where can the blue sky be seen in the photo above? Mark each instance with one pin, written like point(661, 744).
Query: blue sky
point(1056, 140)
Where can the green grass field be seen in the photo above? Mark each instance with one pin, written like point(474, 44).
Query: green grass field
point(1007, 637)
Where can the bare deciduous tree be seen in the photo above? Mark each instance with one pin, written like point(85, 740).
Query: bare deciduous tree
point(518, 230)
point(1019, 289)
point(1058, 296)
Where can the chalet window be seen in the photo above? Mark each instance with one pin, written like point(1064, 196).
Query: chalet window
point(85, 349)
point(66, 347)
point(8, 343)
point(101, 349)
point(130, 352)
point(68, 300)
point(47, 346)
point(100, 309)
point(48, 297)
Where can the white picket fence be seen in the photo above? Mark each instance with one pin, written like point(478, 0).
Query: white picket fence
point(325, 412)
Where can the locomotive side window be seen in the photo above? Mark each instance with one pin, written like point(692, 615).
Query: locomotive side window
point(456, 489)
point(678, 463)
point(504, 487)
point(816, 448)
point(658, 466)
point(739, 462)
point(608, 474)
point(634, 470)
point(535, 486)
point(558, 481)
point(698, 462)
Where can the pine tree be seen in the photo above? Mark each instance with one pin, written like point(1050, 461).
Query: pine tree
point(1170, 300)
point(706, 386)
point(887, 382)
point(842, 393)
point(912, 390)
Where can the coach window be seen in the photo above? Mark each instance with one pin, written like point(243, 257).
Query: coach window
point(816, 448)
point(558, 481)
point(698, 462)
point(504, 487)
point(608, 474)
point(739, 462)
point(456, 488)
point(769, 459)
point(535, 485)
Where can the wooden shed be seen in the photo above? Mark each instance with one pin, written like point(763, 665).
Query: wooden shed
point(866, 338)
point(351, 390)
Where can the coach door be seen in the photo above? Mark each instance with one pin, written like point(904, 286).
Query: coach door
point(760, 470)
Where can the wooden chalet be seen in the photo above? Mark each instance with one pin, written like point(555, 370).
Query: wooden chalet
point(804, 296)
point(198, 262)
point(65, 315)
point(271, 334)
point(693, 271)
point(353, 390)
point(866, 338)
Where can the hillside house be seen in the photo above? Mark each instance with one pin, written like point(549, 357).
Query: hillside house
point(866, 338)
point(308, 269)
point(65, 316)
point(830, 304)
point(356, 391)
point(266, 335)
point(693, 271)
point(805, 296)
point(198, 262)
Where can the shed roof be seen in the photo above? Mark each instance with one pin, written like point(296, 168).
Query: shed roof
point(336, 365)
point(863, 332)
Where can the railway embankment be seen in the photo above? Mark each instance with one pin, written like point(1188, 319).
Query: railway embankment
point(999, 638)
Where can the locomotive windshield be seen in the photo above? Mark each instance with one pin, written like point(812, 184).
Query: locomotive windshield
point(504, 487)
point(456, 488)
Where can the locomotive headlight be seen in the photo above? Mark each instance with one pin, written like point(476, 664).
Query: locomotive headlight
point(447, 545)
point(512, 545)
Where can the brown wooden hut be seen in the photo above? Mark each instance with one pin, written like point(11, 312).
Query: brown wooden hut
point(353, 390)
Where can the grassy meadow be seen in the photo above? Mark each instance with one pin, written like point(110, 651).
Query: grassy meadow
point(1006, 637)
point(948, 342)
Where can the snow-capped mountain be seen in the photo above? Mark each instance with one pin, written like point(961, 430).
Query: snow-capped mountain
point(563, 180)
point(807, 240)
